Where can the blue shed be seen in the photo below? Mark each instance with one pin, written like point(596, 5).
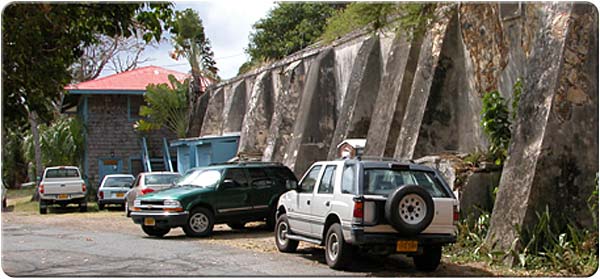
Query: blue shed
point(203, 151)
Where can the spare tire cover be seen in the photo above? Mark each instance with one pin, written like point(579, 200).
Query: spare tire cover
point(409, 209)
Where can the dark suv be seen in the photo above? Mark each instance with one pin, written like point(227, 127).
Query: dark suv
point(234, 194)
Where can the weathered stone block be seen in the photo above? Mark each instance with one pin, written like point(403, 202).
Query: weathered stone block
point(213, 119)
point(553, 155)
point(257, 121)
point(355, 115)
point(315, 122)
point(286, 109)
point(235, 107)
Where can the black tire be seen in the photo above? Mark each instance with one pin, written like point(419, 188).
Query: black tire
point(338, 253)
point(271, 221)
point(83, 207)
point(155, 231)
point(200, 222)
point(236, 225)
point(4, 203)
point(430, 259)
point(127, 212)
point(283, 243)
point(100, 206)
point(404, 209)
point(43, 208)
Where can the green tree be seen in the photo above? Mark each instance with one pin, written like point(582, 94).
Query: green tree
point(288, 27)
point(40, 41)
point(167, 105)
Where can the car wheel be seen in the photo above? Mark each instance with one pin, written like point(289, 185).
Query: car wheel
point(101, 206)
point(154, 231)
point(236, 225)
point(4, 203)
point(43, 208)
point(83, 207)
point(271, 219)
point(338, 253)
point(409, 209)
point(283, 243)
point(199, 223)
point(430, 259)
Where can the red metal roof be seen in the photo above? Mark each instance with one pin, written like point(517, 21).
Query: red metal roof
point(136, 79)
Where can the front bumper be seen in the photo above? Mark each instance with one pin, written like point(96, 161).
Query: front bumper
point(359, 237)
point(112, 201)
point(162, 219)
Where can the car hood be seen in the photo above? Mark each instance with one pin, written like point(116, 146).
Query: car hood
point(175, 193)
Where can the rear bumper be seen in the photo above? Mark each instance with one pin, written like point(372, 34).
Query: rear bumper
point(162, 219)
point(53, 199)
point(359, 237)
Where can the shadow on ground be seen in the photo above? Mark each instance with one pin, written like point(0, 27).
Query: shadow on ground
point(395, 265)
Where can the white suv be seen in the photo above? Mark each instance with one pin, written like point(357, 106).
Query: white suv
point(380, 207)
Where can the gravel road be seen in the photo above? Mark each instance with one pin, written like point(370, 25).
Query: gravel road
point(108, 244)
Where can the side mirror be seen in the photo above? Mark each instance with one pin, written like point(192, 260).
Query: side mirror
point(228, 183)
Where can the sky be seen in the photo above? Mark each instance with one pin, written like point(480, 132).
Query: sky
point(227, 24)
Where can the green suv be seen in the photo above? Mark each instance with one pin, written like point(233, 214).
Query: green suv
point(227, 193)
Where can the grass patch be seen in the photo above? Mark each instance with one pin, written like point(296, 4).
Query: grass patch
point(20, 193)
point(23, 204)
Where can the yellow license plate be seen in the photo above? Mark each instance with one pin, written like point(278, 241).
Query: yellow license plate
point(63, 196)
point(407, 246)
point(148, 221)
point(120, 195)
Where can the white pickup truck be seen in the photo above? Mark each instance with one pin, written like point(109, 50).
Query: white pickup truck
point(62, 185)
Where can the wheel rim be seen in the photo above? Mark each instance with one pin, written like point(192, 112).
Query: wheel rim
point(282, 230)
point(199, 222)
point(412, 209)
point(332, 246)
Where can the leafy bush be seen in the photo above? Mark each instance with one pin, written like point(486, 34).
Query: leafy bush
point(496, 125)
point(60, 141)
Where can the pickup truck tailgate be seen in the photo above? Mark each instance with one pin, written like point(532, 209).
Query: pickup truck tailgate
point(63, 186)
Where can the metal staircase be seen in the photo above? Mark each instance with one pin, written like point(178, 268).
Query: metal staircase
point(156, 164)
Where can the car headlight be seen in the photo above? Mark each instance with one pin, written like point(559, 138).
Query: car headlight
point(137, 203)
point(172, 203)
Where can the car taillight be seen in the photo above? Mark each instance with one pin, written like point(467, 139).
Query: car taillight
point(146, 191)
point(101, 195)
point(41, 189)
point(83, 187)
point(455, 215)
point(358, 212)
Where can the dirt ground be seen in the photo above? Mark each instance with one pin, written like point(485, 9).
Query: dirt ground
point(253, 237)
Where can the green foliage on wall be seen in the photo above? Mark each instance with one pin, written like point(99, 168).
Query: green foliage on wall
point(496, 125)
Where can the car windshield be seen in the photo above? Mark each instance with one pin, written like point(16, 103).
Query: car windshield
point(118, 182)
point(160, 179)
point(60, 173)
point(385, 181)
point(201, 178)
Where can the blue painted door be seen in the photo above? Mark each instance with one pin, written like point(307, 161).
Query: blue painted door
point(109, 166)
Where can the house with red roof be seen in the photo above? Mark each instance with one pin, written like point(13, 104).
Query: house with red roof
point(109, 107)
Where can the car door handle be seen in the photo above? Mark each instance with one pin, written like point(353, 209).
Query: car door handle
point(327, 203)
point(308, 202)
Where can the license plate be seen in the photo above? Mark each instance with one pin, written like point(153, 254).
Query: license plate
point(148, 221)
point(63, 196)
point(407, 246)
point(120, 195)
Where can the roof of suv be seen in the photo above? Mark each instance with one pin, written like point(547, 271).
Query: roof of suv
point(384, 163)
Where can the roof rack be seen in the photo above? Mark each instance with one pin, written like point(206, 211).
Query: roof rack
point(382, 158)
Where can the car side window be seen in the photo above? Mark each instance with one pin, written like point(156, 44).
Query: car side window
point(308, 183)
point(238, 176)
point(348, 180)
point(136, 182)
point(327, 181)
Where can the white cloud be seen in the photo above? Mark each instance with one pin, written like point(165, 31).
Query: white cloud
point(227, 24)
